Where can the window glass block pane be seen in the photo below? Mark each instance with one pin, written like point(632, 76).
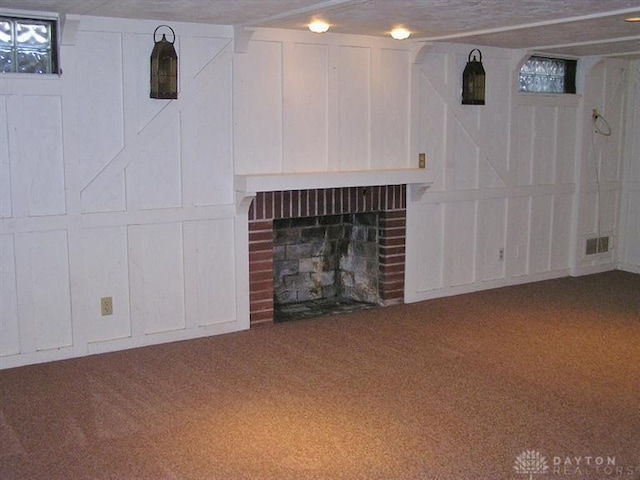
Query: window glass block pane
point(539, 66)
point(6, 34)
point(539, 83)
point(526, 82)
point(6, 61)
point(32, 34)
point(543, 75)
point(32, 61)
point(27, 45)
point(556, 84)
point(526, 68)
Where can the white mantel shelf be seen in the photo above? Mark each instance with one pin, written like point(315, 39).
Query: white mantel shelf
point(251, 184)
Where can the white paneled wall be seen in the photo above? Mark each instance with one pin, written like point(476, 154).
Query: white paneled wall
point(9, 326)
point(105, 250)
point(629, 241)
point(515, 195)
point(305, 103)
point(209, 272)
point(493, 215)
point(108, 193)
point(601, 167)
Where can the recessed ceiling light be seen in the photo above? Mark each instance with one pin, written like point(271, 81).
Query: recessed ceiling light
point(400, 33)
point(632, 19)
point(318, 26)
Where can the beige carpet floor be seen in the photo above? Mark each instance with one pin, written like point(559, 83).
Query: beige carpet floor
point(539, 381)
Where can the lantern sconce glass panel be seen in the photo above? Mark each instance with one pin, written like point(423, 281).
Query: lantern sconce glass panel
point(473, 80)
point(164, 67)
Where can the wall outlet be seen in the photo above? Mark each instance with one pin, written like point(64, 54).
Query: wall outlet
point(501, 254)
point(106, 306)
point(422, 160)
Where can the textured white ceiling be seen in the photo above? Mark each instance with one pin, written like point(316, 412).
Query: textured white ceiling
point(572, 27)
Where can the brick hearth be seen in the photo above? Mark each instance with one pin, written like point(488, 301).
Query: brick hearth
point(389, 201)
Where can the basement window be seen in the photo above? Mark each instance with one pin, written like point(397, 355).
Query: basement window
point(28, 45)
point(548, 75)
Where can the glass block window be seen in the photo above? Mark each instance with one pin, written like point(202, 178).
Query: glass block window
point(28, 45)
point(548, 75)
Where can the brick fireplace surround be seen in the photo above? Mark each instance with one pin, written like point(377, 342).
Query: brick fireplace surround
point(390, 201)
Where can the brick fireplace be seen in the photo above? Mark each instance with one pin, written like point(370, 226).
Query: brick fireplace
point(388, 201)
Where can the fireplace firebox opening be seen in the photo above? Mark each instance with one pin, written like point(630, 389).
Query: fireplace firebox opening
point(325, 265)
point(335, 248)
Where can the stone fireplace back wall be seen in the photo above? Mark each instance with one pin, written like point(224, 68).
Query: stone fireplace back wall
point(388, 200)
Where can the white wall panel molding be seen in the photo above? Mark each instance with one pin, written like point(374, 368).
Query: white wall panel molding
point(603, 186)
point(36, 155)
point(541, 235)
point(425, 244)
point(518, 239)
point(6, 207)
point(73, 182)
point(544, 146)
point(190, 89)
point(207, 132)
point(9, 321)
point(460, 245)
point(104, 263)
point(392, 115)
point(258, 118)
point(156, 272)
point(210, 272)
point(306, 107)
point(30, 84)
point(467, 118)
point(544, 100)
point(494, 193)
point(320, 103)
point(629, 237)
point(561, 239)
point(98, 131)
point(491, 247)
point(43, 291)
point(36, 224)
point(521, 158)
point(353, 119)
point(429, 113)
point(156, 216)
point(154, 179)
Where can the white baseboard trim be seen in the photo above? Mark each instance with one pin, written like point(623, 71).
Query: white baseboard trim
point(479, 286)
point(629, 268)
point(581, 271)
point(44, 356)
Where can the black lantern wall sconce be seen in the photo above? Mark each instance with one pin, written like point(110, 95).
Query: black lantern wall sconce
point(164, 67)
point(473, 80)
